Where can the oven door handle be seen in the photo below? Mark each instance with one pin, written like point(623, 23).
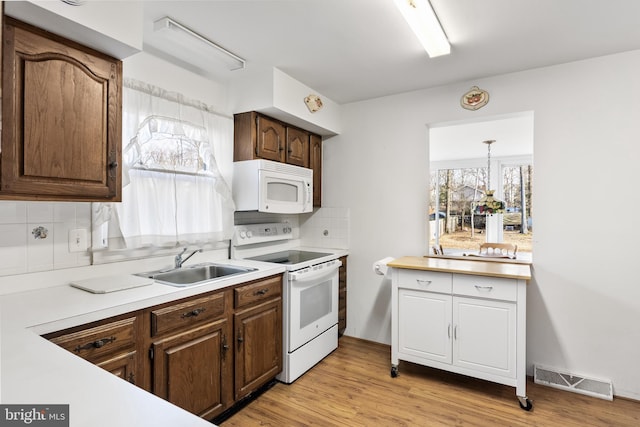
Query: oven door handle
point(324, 272)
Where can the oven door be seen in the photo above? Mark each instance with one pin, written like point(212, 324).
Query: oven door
point(313, 302)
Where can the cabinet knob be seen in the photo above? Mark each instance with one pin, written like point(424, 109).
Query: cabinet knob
point(113, 165)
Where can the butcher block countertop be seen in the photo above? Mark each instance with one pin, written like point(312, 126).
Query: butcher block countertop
point(463, 266)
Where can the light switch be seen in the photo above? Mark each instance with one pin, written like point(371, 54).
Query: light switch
point(78, 240)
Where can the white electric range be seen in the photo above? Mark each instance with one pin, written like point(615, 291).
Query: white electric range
point(310, 292)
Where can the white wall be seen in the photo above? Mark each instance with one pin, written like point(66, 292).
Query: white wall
point(584, 299)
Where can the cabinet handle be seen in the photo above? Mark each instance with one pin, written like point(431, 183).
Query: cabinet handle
point(423, 282)
point(240, 340)
point(95, 344)
point(131, 378)
point(455, 332)
point(192, 313)
point(261, 291)
point(225, 346)
point(483, 288)
point(449, 331)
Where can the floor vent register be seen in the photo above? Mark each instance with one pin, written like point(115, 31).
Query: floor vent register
point(602, 389)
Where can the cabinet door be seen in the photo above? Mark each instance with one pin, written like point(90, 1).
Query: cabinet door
point(270, 139)
point(122, 365)
point(297, 147)
point(424, 325)
point(61, 118)
point(193, 369)
point(485, 335)
point(258, 351)
point(315, 163)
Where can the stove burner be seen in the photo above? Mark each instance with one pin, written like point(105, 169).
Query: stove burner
point(289, 257)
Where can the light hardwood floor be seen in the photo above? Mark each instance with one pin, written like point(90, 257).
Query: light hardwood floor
point(353, 387)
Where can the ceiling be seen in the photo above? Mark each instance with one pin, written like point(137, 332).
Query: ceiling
point(352, 50)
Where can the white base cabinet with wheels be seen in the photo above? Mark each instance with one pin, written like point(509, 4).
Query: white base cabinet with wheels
point(467, 317)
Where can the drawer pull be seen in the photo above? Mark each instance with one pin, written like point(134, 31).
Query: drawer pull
point(483, 288)
point(94, 344)
point(261, 291)
point(424, 282)
point(192, 313)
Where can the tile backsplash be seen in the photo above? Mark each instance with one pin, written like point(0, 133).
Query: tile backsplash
point(323, 228)
point(326, 228)
point(35, 236)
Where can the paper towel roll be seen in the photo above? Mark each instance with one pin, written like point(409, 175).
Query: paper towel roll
point(380, 266)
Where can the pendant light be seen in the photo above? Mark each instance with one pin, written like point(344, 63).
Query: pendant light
point(489, 205)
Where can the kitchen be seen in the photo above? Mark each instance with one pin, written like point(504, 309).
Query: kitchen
point(585, 119)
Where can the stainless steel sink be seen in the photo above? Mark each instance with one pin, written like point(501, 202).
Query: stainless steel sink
point(195, 274)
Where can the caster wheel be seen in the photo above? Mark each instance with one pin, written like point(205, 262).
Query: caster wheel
point(526, 407)
point(394, 371)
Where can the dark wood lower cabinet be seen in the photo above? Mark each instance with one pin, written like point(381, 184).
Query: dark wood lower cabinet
point(342, 297)
point(258, 353)
point(121, 365)
point(192, 369)
point(110, 344)
point(205, 353)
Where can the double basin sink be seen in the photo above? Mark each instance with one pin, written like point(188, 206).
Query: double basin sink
point(195, 274)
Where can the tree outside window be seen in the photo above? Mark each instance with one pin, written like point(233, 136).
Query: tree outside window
point(452, 196)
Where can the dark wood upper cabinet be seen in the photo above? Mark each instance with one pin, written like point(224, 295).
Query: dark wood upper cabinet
point(257, 136)
point(297, 152)
point(270, 142)
point(61, 117)
point(315, 163)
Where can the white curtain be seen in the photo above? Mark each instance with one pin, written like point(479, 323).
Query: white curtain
point(173, 193)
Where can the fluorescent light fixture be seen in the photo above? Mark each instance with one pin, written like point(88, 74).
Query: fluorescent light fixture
point(192, 47)
point(423, 21)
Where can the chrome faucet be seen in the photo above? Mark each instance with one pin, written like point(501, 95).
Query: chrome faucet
point(180, 261)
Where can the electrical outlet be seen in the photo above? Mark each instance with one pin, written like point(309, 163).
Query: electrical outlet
point(78, 240)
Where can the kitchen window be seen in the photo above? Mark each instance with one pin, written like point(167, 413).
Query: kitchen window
point(173, 192)
point(452, 222)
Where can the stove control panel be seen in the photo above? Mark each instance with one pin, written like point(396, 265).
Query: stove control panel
point(249, 234)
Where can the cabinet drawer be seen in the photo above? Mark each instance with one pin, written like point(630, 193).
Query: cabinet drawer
point(95, 343)
point(187, 313)
point(485, 287)
point(258, 291)
point(431, 281)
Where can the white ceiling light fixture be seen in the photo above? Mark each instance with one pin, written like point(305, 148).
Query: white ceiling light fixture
point(193, 47)
point(425, 24)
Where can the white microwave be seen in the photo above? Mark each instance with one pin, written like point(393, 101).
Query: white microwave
point(268, 186)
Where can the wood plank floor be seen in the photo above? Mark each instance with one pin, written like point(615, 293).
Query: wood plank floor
point(353, 387)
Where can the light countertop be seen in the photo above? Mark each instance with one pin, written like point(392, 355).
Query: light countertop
point(464, 266)
point(35, 371)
